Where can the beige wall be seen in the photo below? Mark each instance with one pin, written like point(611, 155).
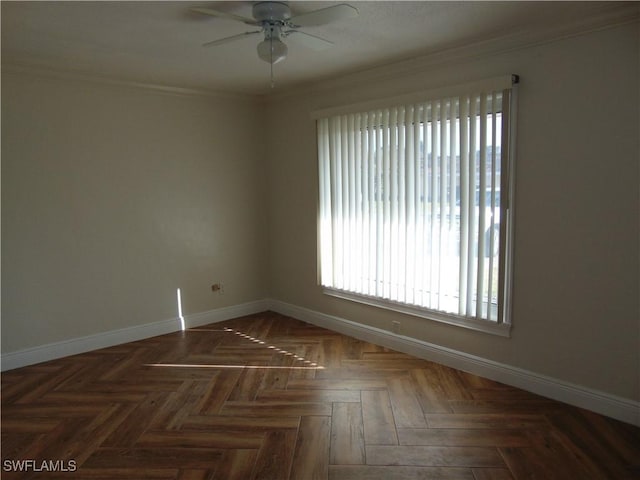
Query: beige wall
point(113, 197)
point(576, 312)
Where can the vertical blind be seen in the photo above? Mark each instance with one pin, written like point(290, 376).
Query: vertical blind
point(411, 201)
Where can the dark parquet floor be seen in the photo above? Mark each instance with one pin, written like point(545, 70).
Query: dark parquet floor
point(270, 397)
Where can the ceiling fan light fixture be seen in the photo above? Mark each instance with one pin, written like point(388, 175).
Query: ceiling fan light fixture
point(272, 50)
point(275, 22)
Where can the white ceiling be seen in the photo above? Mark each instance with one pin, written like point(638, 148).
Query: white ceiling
point(160, 42)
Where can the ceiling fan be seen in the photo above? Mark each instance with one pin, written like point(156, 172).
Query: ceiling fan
point(276, 23)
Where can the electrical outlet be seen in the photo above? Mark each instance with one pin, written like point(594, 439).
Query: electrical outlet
point(395, 326)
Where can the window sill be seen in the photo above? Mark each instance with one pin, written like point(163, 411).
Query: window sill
point(485, 326)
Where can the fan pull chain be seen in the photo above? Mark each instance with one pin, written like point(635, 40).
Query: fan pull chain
point(273, 83)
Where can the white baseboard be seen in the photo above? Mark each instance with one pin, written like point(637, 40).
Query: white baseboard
point(612, 406)
point(51, 351)
point(226, 313)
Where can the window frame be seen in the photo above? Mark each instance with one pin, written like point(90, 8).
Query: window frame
point(502, 326)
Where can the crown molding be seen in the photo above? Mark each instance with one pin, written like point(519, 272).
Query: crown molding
point(602, 18)
point(69, 75)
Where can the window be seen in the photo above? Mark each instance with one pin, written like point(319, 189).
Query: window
point(415, 212)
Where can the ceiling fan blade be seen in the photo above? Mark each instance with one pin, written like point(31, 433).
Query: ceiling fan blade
point(324, 15)
point(311, 41)
point(216, 13)
point(229, 39)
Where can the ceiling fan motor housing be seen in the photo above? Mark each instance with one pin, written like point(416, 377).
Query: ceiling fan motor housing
point(271, 12)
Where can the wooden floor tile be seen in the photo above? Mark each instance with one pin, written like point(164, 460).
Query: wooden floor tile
point(488, 420)
point(347, 435)
point(270, 397)
point(429, 456)
point(311, 457)
point(235, 464)
point(491, 474)
point(378, 420)
point(459, 437)
point(407, 411)
point(353, 472)
point(275, 457)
